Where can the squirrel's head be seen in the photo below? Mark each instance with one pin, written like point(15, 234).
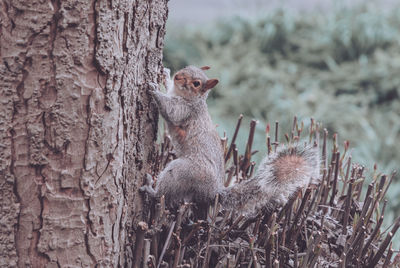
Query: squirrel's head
point(191, 82)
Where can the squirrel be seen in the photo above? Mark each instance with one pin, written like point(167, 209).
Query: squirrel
point(197, 174)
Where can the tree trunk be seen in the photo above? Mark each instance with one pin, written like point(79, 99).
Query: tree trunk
point(77, 128)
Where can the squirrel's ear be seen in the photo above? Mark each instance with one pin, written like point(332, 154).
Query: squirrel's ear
point(205, 68)
point(210, 84)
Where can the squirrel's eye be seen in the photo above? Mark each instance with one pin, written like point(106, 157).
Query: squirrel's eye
point(196, 83)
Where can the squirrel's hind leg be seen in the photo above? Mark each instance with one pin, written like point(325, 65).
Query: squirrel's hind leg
point(148, 188)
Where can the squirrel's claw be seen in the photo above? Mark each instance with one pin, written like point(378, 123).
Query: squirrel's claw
point(153, 86)
point(149, 179)
point(167, 73)
point(147, 188)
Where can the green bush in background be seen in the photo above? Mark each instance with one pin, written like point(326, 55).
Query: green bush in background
point(342, 68)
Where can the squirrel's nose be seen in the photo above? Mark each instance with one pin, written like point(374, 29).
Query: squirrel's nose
point(180, 80)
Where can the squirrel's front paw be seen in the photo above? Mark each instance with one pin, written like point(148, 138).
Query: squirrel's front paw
point(153, 86)
point(167, 73)
point(147, 188)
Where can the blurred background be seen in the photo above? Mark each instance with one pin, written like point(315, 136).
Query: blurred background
point(335, 62)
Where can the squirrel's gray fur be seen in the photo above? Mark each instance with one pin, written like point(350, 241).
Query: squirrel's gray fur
point(198, 172)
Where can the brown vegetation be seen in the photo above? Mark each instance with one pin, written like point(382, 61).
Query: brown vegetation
point(332, 224)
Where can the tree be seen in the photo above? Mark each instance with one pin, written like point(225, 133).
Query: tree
point(77, 128)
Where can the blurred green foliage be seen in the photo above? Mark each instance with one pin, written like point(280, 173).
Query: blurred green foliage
point(341, 68)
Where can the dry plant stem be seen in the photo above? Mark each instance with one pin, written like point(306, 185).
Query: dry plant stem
point(146, 252)
point(302, 206)
point(234, 224)
point(373, 208)
point(328, 185)
point(298, 228)
point(360, 177)
point(317, 141)
point(246, 224)
point(197, 260)
point(228, 155)
point(236, 162)
point(294, 230)
point(177, 250)
point(230, 176)
point(257, 227)
point(312, 129)
point(276, 239)
point(224, 142)
point(195, 228)
point(347, 206)
point(360, 248)
point(182, 255)
point(369, 190)
point(268, 248)
point(294, 127)
point(171, 229)
point(271, 226)
point(359, 224)
point(355, 242)
point(269, 144)
point(225, 220)
point(296, 261)
point(380, 251)
point(342, 260)
point(389, 183)
point(384, 207)
point(382, 182)
point(324, 159)
point(364, 210)
point(141, 230)
point(287, 137)
point(276, 134)
point(247, 156)
point(178, 229)
point(159, 211)
point(372, 236)
point(308, 252)
point(335, 178)
point(254, 259)
point(237, 257)
point(321, 190)
point(252, 166)
point(386, 242)
point(285, 208)
point(311, 206)
point(206, 257)
point(316, 252)
point(346, 178)
point(270, 239)
point(285, 225)
point(388, 257)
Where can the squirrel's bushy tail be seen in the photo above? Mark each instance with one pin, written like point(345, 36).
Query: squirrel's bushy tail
point(278, 177)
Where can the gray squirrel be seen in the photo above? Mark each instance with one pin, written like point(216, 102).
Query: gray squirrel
point(197, 174)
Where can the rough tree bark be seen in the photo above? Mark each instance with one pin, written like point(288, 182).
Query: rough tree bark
point(77, 128)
